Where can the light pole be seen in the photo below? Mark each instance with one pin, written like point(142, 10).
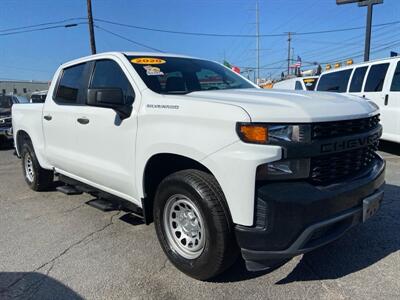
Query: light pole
point(369, 4)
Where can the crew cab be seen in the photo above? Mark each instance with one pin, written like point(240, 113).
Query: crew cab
point(221, 171)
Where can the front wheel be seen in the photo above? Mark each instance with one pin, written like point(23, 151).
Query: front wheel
point(193, 224)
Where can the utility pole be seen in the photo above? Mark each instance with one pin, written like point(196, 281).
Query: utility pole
point(289, 49)
point(370, 4)
point(257, 42)
point(91, 29)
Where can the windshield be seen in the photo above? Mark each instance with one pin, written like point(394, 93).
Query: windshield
point(310, 83)
point(178, 75)
point(5, 101)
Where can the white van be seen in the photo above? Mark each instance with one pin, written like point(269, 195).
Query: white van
point(377, 80)
point(297, 83)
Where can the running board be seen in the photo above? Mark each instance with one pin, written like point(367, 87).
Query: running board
point(68, 190)
point(103, 200)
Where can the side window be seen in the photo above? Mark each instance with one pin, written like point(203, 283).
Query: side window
point(396, 79)
point(298, 86)
point(358, 79)
point(108, 74)
point(376, 78)
point(69, 85)
point(335, 81)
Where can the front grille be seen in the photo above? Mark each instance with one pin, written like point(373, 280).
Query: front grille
point(330, 168)
point(341, 128)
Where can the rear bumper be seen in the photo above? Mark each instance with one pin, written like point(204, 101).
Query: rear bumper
point(296, 217)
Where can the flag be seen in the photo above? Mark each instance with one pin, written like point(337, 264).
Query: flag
point(227, 64)
point(236, 69)
point(298, 62)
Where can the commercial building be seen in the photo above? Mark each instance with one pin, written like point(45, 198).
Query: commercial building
point(22, 87)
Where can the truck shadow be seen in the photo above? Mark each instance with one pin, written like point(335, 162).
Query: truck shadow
point(389, 147)
point(6, 145)
point(32, 285)
point(358, 249)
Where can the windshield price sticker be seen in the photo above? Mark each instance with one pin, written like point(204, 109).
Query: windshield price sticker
point(153, 71)
point(148, 61)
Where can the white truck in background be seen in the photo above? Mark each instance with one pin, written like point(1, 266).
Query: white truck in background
point(221, 166)
point(377, 81)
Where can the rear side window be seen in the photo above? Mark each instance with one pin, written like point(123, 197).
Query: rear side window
point(396, 79)
point(376, 78)
point(298, 86)
point(69, 85)
point(108, 74)
point(335, 81)
point(358, 79)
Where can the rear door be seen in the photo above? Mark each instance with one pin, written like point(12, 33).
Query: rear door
point(59, 117)
point(374, 89)
point(105, 144)
point(392, 101)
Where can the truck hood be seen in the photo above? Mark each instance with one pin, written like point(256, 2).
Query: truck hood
point(283, 106)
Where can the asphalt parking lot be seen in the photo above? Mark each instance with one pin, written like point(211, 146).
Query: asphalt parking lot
point(54, 246)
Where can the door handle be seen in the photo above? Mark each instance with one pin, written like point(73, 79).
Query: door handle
point(47, 117)
point(83, 121)
point(363, 96)
point(386, 99)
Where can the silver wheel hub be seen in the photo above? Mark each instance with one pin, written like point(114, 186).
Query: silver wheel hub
point(184, 226)
point(29, 172)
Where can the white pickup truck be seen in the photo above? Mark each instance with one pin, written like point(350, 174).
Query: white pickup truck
point(221, 166)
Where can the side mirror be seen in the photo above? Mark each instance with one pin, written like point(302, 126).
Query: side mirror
point(110, 98)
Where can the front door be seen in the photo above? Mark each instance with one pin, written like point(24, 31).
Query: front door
point(105, 144)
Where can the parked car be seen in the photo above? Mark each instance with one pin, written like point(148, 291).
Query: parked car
point(6, 102)
point(378, 81)
point(236, 169)
point(298, 83)
point(38, 97)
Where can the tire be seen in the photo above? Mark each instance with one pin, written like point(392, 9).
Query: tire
point(37, 178)
point(193, 224)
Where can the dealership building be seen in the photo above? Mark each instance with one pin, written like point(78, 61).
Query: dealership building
point(22, 87)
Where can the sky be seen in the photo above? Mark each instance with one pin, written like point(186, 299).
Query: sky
point(36, 55)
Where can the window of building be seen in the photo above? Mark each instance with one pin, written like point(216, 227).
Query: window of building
point(3, 91)
point(335, 81)
point(25, 91)
point(15, 91)
point(376, 78)
point(69, 85)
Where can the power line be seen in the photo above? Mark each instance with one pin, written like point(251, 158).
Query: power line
point(238, 35)
point(127, 39)
point(42, 24)
point(42, 29)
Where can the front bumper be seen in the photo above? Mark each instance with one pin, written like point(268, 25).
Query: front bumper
point(6, 132)
point(292, 218)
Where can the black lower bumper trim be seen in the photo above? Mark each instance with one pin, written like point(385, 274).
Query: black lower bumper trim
point(301, 217)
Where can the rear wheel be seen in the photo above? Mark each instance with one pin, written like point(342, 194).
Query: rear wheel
point(193, 224)
point(37, 178)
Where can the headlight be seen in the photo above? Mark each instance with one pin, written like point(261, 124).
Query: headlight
point(259, 133)
point(284, 169)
